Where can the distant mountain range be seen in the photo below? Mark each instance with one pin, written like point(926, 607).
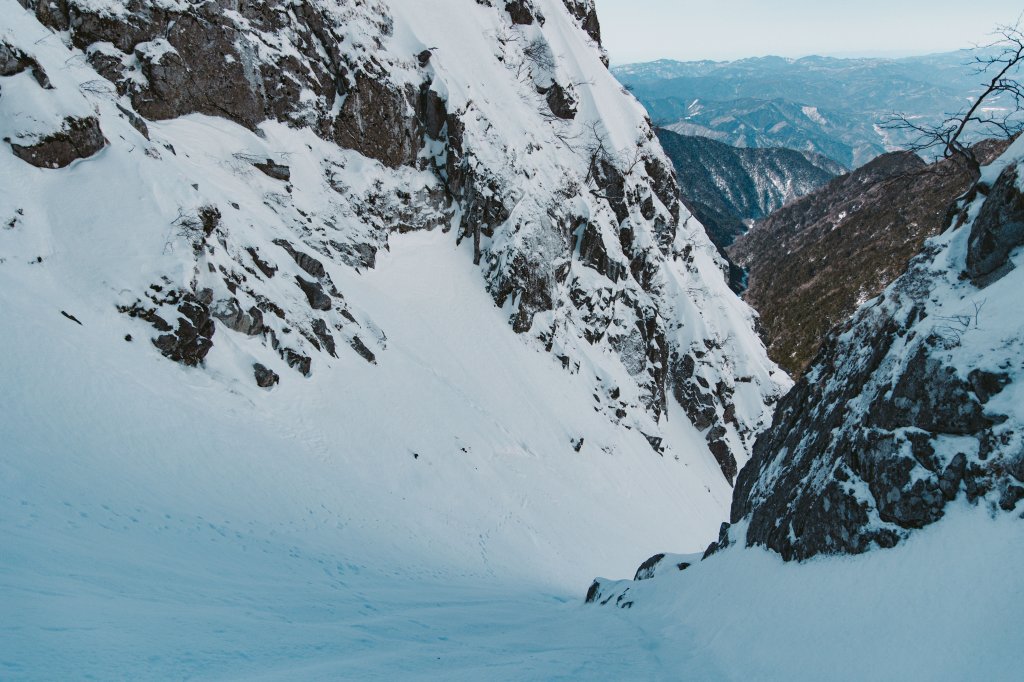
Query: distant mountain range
point(727, 188)
point(824, 105)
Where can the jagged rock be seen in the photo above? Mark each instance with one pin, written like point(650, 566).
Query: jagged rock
point(209, 218)
point(699, 403)
point(998, 230)
point(432, 112)
point(315, 294)
point(301, 363)
point(137, 121)
point(521, 11)
point(193, 338)
point(987, 384)
point(484, 208)
point(646, 569)
point(265, 377)
point(231, 314)
point(78, 138)
point(274, 170)
point(332, 69)
point(311, 265)
point(14, 61)
point(187, 72)
point(929, 396)
point(721, 543)
point(324, 335)
point(1010, 497)
point(852, 459)
point(593, 252)
point(586, 13)
point(364, 352)
point(374, 122)
point(722, 453)
point(612, 184)
point(812, 262)
point(264, 267)
point(1015, 466)
point(561, 101)
point(952, 476)
point(357, 255)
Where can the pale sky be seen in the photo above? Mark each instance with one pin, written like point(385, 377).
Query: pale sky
point(644, 30)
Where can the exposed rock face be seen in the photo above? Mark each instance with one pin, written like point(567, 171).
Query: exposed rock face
point(375, 121)
point(905, 407)
point(231, 314)
point(242, 65)
point(909, 405)
point(14, 61)
point(365, 118)
point(998, 230)
point(521, 11)
point(265, 378)
point(561, 100)
point(585, 11)
point(814, 261)
point(78, 138)
point(274, 170)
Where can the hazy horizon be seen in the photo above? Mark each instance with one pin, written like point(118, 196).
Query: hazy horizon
point(647, 30)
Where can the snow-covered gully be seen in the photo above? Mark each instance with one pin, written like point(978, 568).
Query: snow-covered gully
point(351, 339)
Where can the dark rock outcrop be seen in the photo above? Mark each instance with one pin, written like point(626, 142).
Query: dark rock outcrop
point(303, 364)
point(646, 569)
point(579, 243)
point(230, 313)
point(315, 294)
point(997, 231)
point(374, 122)
point(585, 13)
point(310, 265)
point(14, 61)
point(78, 138)
point(193, 338)
point(561, 100)
point(520, 11)
point(265, 377)
point(274, 170)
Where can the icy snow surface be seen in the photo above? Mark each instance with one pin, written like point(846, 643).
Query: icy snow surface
point(155, 524)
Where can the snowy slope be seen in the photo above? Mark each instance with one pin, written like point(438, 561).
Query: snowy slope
point(433, 428)
point(942, 606)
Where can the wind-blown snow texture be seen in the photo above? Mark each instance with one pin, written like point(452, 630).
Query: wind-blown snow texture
point(302, 207)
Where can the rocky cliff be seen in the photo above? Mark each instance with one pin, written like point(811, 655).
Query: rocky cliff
point(914, 403)
point(497, 122)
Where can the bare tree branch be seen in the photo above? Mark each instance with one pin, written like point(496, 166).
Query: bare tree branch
point(1000, 61)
